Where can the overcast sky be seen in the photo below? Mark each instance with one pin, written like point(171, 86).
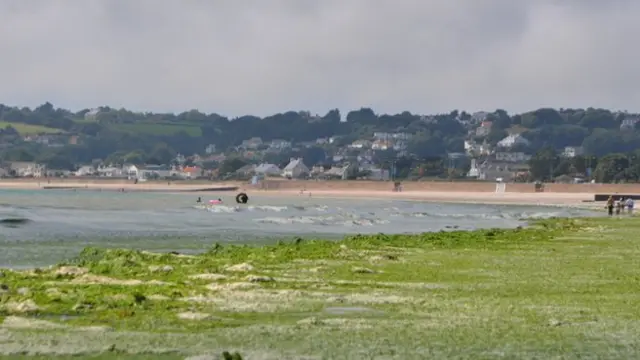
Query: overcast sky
point(260, 57)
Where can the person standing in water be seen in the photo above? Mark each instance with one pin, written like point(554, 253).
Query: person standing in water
point(199, 200)
point(609, 205)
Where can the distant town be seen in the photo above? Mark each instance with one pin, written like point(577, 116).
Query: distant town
point(546, 144)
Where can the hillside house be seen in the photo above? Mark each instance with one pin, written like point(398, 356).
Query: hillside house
point(279, 145)
point(252, 143)
point(360, 144)
point(513, 140)
point(381, 145)
point(484, 128)
point(514, 157)
point(295, 169)
point(268, 170)
point(180, 159)
point(629, 123)
point(210, 149)
point(473, 148)
point(572, 151)
point(378, 135)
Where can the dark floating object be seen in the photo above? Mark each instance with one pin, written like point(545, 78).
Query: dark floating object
point(14, 221)
point(242, 198)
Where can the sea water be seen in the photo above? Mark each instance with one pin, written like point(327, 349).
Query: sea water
point(41, 227)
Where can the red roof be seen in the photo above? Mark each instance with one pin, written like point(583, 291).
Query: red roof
point(191, 169)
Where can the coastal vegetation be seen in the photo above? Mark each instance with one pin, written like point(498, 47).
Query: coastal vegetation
point(610, 139)
point(561, 288)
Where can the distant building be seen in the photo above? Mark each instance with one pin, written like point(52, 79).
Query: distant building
point(484, 128)
point(629, 123)
point(267, 170)
point(252, 143)
point(210, 149)
point(512, 157)
point(280, 145)
point(513, 140)
point(572, 151)
point(295, 169)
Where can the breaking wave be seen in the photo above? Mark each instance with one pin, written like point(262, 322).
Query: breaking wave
point(257, 208)
point(323, 220)
point(347, 217)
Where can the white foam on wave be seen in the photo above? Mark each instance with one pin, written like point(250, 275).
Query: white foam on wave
point(291, 220)
point(484, 216)
point(339, 220)
point(259, 208)
point(267, 208)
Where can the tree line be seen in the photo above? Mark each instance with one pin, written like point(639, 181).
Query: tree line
point(117, 135)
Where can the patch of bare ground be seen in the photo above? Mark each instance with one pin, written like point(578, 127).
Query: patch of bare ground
point(208, 276)
point(16, 322)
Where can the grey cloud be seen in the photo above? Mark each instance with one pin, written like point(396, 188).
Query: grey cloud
point(261, 57)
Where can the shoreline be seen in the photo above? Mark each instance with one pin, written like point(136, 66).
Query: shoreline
point(437, 192)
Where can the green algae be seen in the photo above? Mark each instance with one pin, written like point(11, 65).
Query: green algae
point(559, 288)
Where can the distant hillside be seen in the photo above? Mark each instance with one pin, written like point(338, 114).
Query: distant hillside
point(26, 129)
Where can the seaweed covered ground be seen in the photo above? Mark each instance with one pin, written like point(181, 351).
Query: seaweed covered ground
point(559, 289)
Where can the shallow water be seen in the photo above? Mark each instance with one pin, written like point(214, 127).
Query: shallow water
point(45, 226)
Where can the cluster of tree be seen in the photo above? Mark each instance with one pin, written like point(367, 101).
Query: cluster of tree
point(547, 164)
point(110, 134)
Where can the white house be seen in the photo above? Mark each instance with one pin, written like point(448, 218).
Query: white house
point(85, 171)
point(131, 171)
point(360, 144)
point(27, 169)
point(572, 151)
point(381, 145)
point(110, 171)
point(295, 169)
point(267, 170)
point(210, 149)
point(512, 156)
point(513, 140)
point(280, 145)
point(629, 123)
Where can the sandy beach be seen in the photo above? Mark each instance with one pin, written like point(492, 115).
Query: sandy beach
point(458, 192)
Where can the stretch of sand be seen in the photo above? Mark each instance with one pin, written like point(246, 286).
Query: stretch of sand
point(458, 192)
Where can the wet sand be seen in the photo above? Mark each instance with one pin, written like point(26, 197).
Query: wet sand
point(456, 192)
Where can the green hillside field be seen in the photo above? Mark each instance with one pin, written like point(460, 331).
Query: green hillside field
point(26, 129)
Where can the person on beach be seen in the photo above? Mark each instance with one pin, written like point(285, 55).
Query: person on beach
point(619, 206)
point(609, 205)
point(629, 203)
